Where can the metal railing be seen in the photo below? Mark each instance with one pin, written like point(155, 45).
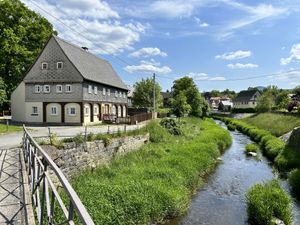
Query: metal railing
point(47, 202)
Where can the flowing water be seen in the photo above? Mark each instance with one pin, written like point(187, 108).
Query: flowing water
point(222, 200)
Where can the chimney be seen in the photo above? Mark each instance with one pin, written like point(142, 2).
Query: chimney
point(85, 48)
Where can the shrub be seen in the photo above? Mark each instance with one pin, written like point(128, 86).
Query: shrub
point(90, 137)
point(78, 138)
point(252, 148)
point(246, 110)
point(288, 159)
point(171, 125)
point(266, 201)
point(231, 127)
point(294, 180)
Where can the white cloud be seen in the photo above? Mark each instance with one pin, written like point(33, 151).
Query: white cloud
point(148, 52)
point(234, 55)
point(148, 67)
point(95, 20)
point(242, 66)
point(294, 55)
point(200, 23)
point(204, 77)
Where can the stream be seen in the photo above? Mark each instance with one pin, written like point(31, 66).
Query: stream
point(222, 200)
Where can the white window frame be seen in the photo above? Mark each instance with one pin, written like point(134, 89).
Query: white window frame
point(120, 94)
point(59, 88)
point(86, 110)
point(35, 110)
point(69, 88)
point(59, 63)
point(104, 91)
point(124, 95)
point(44, 63)
point(95, 90)
point(70, 111)
point(116, 94)
point(52, 113)
point(47, 87)
point(90, 89)
point(95, 110)
point(108, 92)
point(37, 88)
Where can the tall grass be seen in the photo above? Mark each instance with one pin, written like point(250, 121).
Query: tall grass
point(155, 182)
point(277, 124)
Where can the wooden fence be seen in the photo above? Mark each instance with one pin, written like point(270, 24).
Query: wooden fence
point(128, 120)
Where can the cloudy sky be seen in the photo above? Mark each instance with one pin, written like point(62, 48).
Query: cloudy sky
point(220, 43)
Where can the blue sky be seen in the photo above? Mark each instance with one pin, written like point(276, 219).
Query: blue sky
point(217, 42)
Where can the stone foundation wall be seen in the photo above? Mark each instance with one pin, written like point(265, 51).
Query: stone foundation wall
point(76, 157)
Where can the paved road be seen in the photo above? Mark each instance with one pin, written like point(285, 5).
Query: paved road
point(14, 139)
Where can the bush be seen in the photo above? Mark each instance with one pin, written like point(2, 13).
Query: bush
point(288, 159)
point(171, 125)
point(78, 138)
point(266, 201)
point(252, 148)
point(231, 127)
point(294, 181)
point(246, 110)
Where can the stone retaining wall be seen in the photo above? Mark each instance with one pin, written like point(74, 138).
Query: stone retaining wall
point(76, 157)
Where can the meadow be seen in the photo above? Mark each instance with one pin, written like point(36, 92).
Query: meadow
point(3, 129)
point(156, 182)
point(277, 124)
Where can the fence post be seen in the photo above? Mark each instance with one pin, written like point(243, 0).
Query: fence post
point(50, 139)
point(7, 123)
point(108, 129)
point(125, 128)
point(85, 133)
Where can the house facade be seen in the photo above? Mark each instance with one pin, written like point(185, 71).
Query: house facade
point(246, 99)
point(68, 85)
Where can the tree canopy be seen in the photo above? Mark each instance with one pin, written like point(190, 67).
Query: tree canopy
point(22, 36)
point(186, 86)
point(265, 102)
point(180, 107)
point(143, 94)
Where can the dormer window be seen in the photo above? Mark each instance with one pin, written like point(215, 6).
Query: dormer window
point(59, 65)
point(44, 66)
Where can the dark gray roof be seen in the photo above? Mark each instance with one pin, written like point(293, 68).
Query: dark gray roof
point(90, 66)
point(246, 95)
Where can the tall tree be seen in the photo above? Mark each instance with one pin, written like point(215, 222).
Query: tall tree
point(282, 100)
point(265, 102)
point(186, 85)
point(180, 107)
point(22, 35)
point(143, 94)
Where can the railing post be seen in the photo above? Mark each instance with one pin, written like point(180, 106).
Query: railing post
point(44, 192)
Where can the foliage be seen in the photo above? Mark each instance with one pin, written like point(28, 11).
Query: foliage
point(179, 105)
point(292, 105)
point(186, 86)
point(156, 182)
point(252, 148)
point(243, 110)
point(226, 92)
point(3, 96)
point(22, 35)
point(277, 124)
point(231, 127)
point(294, 181)
point(9, 129)
point(171, 125)
point(288, 159)
point(265, 102)
point(266, 201)
point(143, 94)
point(282, 100)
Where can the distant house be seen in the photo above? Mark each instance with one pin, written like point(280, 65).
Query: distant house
point(225, 105)
point(246, 99)
point(166, 98)
point(214, 102)
point(68, 85)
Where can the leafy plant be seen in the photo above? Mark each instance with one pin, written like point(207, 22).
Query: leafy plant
point(171, 125)
point(252, 148)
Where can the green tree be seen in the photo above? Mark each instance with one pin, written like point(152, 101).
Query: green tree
point(143, 94)
point(282, 100)
point(3, 97)
point(265, 102)
point(22, 35)
point(186, 85)
point(179, 104)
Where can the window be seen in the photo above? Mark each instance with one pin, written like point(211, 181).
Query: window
point(116, 93)
point(53, 110)
point(44, 66)
point(124, 95)
point(72, 111)
point(37, 88)
point(90, 89)
point(95, 90)
point(68, 88)
point(59, 88)
point(104, 91)
point(34, 110)
point(87, 110)
point(120, 94)
point(46, 88)
point(95, 110)
point(59, 65)
point(108, 92)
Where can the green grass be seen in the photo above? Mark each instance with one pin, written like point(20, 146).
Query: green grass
point(156, 182)
point(294, 181)
point(266, 201)
point(3, 129)
point(277, 124)
point(252, 148)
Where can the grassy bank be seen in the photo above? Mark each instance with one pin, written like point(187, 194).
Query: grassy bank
point(277, 124)
point(156, 182)
point(4, 129)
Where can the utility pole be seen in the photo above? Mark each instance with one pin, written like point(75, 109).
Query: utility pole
point(153, 94)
